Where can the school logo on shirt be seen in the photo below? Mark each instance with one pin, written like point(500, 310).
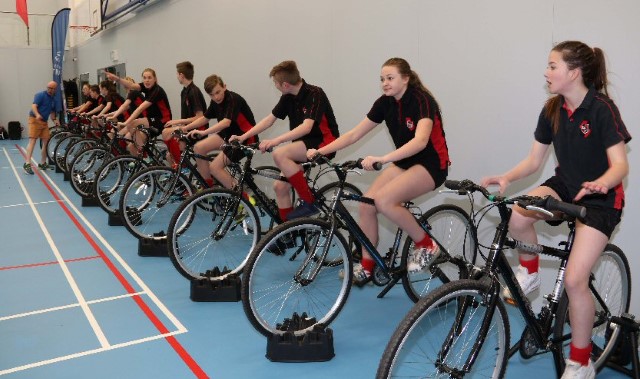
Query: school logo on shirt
point(304, 111)
point(585, 128)
point(410, 124)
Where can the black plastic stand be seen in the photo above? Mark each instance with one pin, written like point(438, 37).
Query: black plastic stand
point(57, 168)
point(627, 349)
point(314, 346)
point(115, 219)
point(153, 247)
point(225, 290)
point(90, 202)
point(66, 177)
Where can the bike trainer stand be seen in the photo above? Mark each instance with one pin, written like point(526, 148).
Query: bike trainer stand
point(115, 219)
point(155, 246)
point(314, 346)
point(225, 290)
point(90, 201)
point(627, 346)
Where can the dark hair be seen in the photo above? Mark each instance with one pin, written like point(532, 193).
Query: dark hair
point(590, 61)
point(111, 88)
point(286, 72)
point(211, 81)
point(186, 69)
point(95, 88)
point(405, 70)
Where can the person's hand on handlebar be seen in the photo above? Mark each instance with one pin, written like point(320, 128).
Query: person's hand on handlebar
point(194, 133)
point(268, 144)
point(312, 153)
point(499, 180)
point(236, 138)
point(369, 161)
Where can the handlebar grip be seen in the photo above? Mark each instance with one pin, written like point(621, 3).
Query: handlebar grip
point(452, 184)
point(376, 166)
point(574, 210)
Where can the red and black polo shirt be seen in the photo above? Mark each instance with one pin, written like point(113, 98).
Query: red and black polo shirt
point(135, 99)
point(160, 108)
point(310, 103)
point(191, 101)
point(581, 145)
point(402, 116)
point(235, 108)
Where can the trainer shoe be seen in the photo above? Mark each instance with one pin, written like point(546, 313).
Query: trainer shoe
point(528, 283)
point(575, 370)
point(43, 166)
point(27, 168)
point(421, 257)
point(360, 275)
point(283, 243)
point(303, 210)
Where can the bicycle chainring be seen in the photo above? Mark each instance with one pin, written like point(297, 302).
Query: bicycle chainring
point(378, 278)
point(528, 346)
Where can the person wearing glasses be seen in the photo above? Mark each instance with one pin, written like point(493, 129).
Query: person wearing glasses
point(42, 108)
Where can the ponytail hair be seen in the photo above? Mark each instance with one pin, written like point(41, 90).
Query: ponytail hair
point(590, 61)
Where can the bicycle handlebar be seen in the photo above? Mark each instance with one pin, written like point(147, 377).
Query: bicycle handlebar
point(345, 166)
point(547, 203)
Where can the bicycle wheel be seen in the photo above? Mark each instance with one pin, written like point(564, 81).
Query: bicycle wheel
point(435, 339)
point(150, 198)
point(111, 178)
point(53, 143)
point(61, 150)
point(212, 229)
point(82, 170)
point(76, 148)
point(611, 279)
point(288, 286)
point(451, 228)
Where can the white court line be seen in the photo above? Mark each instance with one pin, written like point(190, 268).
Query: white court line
point(23, 204)
point(68, 306)
point(63, 265)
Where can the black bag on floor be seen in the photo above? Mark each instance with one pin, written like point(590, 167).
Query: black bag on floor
point(15, 130)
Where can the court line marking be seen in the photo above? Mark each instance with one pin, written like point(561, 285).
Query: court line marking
point(168, 336)
point(30, 265)
point(24, 204)
point(63, 266)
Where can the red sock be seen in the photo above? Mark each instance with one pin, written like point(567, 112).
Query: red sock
point(174, 149)
point(425, 242)
point(299, 183)
point(246, 197)
point(531, 265)
point(123, 144)
point(368, 265)
point(284, 212)
point(580, 354)
point(209, 182)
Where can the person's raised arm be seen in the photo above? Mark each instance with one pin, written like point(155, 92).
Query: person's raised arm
point(126, 84)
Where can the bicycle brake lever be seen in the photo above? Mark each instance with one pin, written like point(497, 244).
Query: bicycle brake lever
point(538, 209)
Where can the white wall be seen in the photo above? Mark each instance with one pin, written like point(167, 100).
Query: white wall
point(484, 61)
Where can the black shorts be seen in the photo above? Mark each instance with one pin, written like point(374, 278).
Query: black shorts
point(600, 218)
point(437, 174)
point(157, 124)
point(234, 155)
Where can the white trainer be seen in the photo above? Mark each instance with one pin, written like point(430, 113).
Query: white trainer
point(528, 282)
point(575, 370)
point(421, 257)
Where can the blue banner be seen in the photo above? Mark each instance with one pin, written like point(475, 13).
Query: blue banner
point(59, 29)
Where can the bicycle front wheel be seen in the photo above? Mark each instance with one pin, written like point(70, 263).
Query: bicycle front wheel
point(212, 229)
point(82, 170)
point(451, 228)
point(436, 337)
point(149, 200)
point(291, 280)
point(111, 178)
point(611, 281)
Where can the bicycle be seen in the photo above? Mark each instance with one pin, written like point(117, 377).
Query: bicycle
point(219, 227)
point(294, 271)
point(111, 177)
point(462, 329)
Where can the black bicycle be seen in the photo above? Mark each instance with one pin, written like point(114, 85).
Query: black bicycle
point(462, 328)
point(218, 227)
point(303, 268)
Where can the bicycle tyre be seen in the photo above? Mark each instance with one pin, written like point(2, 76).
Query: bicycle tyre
point(452, 228)
point(111, 178)
point(83, 169)
point(61, 150)
point(146, 206)
point(327, 192)
point(195, 250)
point(415, 346)
point(76, 148)
point(53, 143)
point(612, 280)
point(273, 293)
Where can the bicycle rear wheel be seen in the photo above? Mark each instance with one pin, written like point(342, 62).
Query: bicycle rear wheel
point(149, 200)
point(451, 227)
point(280, 283)
point(82, 170)
point(212, 229)
point(611, 280)
point(436, 337)
point(53, 143)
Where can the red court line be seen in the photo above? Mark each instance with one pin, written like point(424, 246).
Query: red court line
point(184, 355)
point(48, 263)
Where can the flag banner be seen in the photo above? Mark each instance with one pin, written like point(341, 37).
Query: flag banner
point(21, 10)
point(59, 29)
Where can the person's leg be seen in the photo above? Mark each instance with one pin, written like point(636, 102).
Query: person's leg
point(588, 245)
point(44, 138)
point(219, 173)
point(287, 158)
point(138, 137)
point(173, 146)
point(204, 147)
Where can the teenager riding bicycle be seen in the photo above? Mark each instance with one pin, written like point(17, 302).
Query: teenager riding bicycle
point(589, 140)
point(420, 161)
